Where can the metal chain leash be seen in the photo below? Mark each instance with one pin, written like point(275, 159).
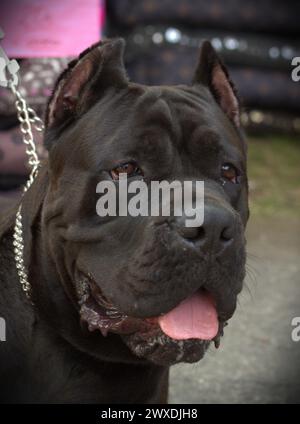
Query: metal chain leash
point(26, 117)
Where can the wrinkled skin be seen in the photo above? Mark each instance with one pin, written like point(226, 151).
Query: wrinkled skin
point(142, 266)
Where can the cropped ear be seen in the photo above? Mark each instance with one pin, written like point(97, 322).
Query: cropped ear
point(85, 80)
point(212, 73)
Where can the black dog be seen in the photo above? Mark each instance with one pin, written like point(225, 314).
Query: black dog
point(157, 292)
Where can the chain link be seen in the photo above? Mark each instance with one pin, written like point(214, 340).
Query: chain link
point(26, 117)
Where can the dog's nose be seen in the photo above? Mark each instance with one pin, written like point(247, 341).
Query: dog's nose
point(215, 234)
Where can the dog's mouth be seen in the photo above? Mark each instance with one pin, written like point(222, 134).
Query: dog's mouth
point(181, 335)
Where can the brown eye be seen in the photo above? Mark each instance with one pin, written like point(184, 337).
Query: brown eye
point(230, 173)
point(129, 168)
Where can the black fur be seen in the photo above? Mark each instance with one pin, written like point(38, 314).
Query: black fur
point(172, 133)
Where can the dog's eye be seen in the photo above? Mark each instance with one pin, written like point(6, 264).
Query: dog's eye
point(129, 168)
point(230, 173)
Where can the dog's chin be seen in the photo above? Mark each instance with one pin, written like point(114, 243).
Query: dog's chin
point(144, 337)
point(157, 347)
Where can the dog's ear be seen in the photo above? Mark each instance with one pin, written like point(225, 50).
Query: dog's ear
point(85, 80)
point(212, 73)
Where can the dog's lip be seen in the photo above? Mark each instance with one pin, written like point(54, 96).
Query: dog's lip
point(101, 314)
point(163, 350)
point(95, 309)
point(110, 318)
point(99, 296)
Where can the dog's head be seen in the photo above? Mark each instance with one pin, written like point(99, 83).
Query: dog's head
point(165, 288)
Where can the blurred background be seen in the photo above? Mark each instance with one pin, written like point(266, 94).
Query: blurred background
point(257, 362)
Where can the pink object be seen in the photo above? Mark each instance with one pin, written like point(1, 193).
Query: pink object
point(194, 318)
point(55, 28)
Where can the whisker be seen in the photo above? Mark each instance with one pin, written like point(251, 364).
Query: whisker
point(253, 257)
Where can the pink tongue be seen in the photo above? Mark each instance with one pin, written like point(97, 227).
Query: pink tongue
point(194, 318)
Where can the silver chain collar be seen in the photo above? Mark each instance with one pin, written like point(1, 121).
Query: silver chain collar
point(26, 117)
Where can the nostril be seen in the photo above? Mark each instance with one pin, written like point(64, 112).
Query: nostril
point(226, 235)
point(192, 233)
point(188, 232)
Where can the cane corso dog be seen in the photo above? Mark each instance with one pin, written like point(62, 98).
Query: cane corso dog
point(114, 301)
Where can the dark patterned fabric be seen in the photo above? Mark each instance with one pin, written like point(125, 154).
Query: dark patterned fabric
point(36, 77)
point(235, 15)
point(238, 48)
point(257, 41)
point(256, 87)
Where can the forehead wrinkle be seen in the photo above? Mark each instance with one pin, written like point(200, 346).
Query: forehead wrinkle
point(205, 142)
point(153, 111)
point(212, 114)
point(159, 114)
point(193, 119)
point(204, 134)
point(183, 95)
